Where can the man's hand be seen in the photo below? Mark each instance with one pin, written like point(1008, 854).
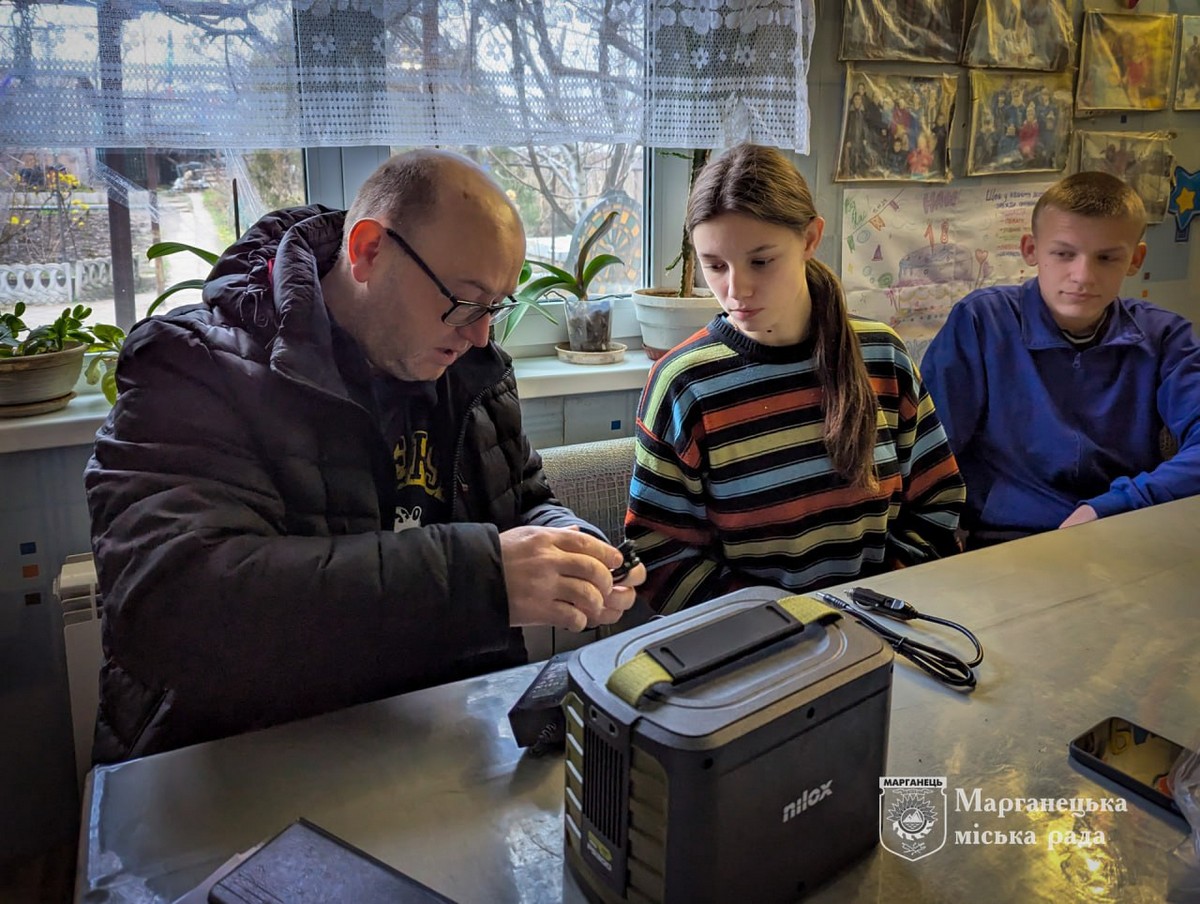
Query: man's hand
point(1081, 515)
point(563, 577)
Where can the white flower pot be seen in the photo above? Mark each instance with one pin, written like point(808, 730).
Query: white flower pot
point(39, 383)
point(667, 320)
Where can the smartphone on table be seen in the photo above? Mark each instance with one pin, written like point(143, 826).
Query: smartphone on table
point(1131, 756)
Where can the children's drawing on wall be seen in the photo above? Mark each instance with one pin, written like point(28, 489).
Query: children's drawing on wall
point(1187, 85)
point(1020, 123)
point(1141, 159)
point(896, 127)
point(910, 252)
point(1126, 61)
point(1021, 34)
point(929, 30)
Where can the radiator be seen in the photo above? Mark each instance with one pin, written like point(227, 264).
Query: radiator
point(75, 588)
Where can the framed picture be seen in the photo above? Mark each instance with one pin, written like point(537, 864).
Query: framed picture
point(1021, 34)
point(1126, 61)
point(929, 30)
point(1187, 85)
point(1142, 159)
point(895, 127)
point(1020, 122)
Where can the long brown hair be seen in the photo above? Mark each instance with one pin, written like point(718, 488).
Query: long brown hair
point(760, 182)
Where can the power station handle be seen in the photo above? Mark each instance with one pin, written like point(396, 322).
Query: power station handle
point(716, 644)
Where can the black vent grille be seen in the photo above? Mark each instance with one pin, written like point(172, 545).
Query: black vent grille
point(645, 798)
point(603, 795)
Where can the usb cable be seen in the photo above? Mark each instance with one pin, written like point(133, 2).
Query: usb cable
point(941, 664)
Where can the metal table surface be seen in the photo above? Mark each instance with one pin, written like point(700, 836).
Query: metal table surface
point(1102, 619)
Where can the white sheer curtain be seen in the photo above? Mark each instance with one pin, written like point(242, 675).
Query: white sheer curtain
point(294, 73)
point(721, 71)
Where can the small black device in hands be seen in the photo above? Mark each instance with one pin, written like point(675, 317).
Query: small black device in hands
point(631, 561)
point(1132, 757)
point(537, 719)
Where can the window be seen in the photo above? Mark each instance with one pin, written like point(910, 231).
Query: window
point(56, 245)
point(562, 191)
point(557, 96)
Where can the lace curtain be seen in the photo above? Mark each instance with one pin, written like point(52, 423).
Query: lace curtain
point(722, 71)
point(297, 73)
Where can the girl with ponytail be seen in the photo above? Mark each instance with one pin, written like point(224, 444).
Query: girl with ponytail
point(787, 443)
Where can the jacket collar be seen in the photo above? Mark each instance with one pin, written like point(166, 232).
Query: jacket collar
point(1038, 329)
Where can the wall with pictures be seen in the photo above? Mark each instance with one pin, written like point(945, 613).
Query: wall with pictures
point(911, 235)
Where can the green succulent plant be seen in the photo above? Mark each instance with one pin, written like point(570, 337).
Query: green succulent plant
point(69, 329)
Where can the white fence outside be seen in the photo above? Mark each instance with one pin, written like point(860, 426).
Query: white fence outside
point(51, 283)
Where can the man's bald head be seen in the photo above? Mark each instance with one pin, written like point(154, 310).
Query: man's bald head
point(410, 188)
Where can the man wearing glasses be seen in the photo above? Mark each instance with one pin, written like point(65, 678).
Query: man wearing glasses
point(314, 489)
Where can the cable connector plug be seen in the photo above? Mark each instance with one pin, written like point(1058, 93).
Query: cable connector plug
point(884, 605)
point(631, 561)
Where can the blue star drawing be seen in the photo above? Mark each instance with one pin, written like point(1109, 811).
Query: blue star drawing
point(1185, 198)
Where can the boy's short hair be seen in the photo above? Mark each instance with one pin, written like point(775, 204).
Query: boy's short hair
point(1093, 194)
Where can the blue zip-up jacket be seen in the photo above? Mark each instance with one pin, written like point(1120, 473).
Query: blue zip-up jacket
point(1040, 428)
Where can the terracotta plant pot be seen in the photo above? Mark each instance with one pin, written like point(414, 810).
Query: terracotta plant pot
point(39, 383)
point(667, 320)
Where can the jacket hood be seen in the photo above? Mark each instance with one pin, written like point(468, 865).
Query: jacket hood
point(240, 285)
point(268, 284)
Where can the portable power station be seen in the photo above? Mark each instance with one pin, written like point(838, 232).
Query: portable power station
point(729, 752)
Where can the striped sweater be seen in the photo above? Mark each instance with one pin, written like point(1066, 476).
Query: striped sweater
point(733, 485)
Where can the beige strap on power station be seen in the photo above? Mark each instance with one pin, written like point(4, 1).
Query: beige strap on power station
point(631, 680)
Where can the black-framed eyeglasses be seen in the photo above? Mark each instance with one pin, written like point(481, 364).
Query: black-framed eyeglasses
point(461, 313)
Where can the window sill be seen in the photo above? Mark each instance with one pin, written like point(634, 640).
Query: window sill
point(540, 377)
point(75, 425)
point(537, 378)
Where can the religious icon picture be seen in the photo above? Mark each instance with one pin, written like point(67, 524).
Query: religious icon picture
point(1143, 160)
point(896, 127)
point(1020, 122)
point(911, 30)
point(1126, 61)
point(1021, 34)
point(1187, 85)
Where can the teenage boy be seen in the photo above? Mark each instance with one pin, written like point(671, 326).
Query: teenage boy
point(1061, 399)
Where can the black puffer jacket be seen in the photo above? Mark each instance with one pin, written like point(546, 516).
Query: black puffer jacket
point(241, 520)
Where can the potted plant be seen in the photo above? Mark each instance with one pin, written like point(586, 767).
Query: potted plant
point(39, 366)
point(669, 315)
point(166, 249)
point(589, 318)
point(527, 301)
